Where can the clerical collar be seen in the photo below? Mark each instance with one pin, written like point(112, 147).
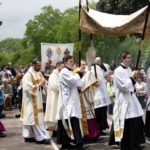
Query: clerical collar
point(68, 68)
point(123, 66)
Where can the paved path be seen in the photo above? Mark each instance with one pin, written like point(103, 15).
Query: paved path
point(14, 140)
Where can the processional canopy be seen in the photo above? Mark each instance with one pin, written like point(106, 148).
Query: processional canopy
point(95, 22)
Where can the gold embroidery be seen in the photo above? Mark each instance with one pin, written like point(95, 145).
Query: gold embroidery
point(69, 132)
point(34, 100)
point(84, 117)
point(118, 133)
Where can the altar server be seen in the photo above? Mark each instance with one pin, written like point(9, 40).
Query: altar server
point(69, 107)
point(101, 100)
point(128, 126)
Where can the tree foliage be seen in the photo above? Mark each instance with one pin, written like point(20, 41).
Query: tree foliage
point(43, 28)
point(121, 6)
point(10, 44)
point(54, 26)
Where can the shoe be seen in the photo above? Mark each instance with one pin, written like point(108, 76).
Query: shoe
point(2, 135)
point(54, 134)
point(68, 146)
point(17, 116)
point(29, 140)
point(80, 147)
point(2, 116)
point(140, 147)
point(87, 141)
point(46, 141)
point(147, 138)
point(103, 133)
point(72, 141)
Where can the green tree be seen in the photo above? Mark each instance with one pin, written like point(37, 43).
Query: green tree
point(11, 44)
point(120, 6)
point(68, 28)
point(43, 28)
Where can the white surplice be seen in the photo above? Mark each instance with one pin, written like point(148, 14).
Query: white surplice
point(69, 101)
point(126, 104)
point(148, 89)
point(101, 97)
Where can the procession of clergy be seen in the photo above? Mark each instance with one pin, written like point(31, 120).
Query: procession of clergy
point(77, 102)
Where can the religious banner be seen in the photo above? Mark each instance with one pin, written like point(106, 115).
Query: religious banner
point(55, 52)
point(90, 56)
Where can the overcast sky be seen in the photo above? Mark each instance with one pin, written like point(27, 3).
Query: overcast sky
point(16, 13)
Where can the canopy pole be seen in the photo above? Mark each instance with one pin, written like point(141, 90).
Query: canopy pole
point(87, 5)
point(143, 36)
point(79, 33)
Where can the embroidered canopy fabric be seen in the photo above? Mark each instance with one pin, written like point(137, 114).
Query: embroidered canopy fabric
point(95, 22)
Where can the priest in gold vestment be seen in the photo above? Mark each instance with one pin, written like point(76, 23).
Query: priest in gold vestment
point(32, 108)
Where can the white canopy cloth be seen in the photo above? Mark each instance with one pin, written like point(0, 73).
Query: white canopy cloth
point(95, 22)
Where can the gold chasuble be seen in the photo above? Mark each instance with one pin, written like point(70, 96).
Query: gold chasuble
point(32, 108)
point(84, 117)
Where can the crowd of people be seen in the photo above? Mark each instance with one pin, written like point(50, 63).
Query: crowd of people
point(72, 101)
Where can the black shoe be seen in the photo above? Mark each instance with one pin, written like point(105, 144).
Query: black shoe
point(29, 140)
point(46, 141)
point(17, 116)
point(140, 147)
point(2, 135)
point(68, 146)
point(91, 141)
point(80, 147)
point(54, 134)
point(2, 116)
point(103, 133)
point(72, 141)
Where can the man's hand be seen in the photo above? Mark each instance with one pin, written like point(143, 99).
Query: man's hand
point(42, 83)
point(97, 84)
point(134, 74)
